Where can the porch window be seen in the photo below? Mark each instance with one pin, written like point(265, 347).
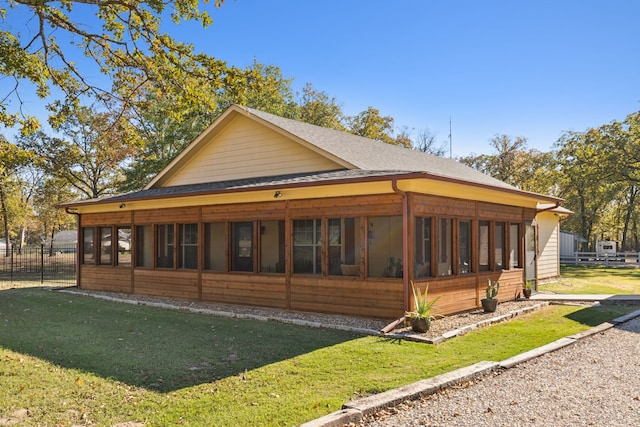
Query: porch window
point(464, 247)
point(188, 249)
point(307, 235)
point(445, 247)
point(215, 239)
point(384, 237)
point(514, 246)
point(499, 235)
point(144, 246)
point(344, 246)
point(272, 246)
point(123, 252)
point(242, 246)
point(423, 248)
point(483, 245)
point(88, 242)
point(164, 245)
point(105, 245)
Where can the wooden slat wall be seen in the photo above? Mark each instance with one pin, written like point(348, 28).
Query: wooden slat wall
point(165, 283)
point(457, 293)
point(500, 212)
point(375, 205)
point(164, 216)
point(434, 205)
point(107, 218)
point(258, 290)
point(371, 298)
point(101, 278)
point(244, 212)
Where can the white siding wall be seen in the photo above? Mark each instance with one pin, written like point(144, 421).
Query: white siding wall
point(548, 246)
point(246, 149)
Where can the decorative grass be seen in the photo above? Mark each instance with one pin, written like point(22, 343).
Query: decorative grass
point(596, 280)
point(68, 359)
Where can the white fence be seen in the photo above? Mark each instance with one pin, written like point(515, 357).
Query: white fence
point(621, 259)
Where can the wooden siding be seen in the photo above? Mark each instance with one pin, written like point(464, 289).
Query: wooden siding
point(252, 289)
point(165, 216)
point(166, 283)
point(246, 149)
point(548, 243)
point(106, 218)
point(433, 205)
point(103, 278)
point(370, 298)
point(500, 212)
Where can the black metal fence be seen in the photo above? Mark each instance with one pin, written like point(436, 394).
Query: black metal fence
point(54, 266)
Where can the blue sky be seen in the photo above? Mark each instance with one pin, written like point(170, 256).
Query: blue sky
point(521, 68)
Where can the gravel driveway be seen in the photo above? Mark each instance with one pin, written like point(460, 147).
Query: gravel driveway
point(594, 382)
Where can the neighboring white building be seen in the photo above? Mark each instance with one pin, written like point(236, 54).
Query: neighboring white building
point(606, 247)
point(570, 243)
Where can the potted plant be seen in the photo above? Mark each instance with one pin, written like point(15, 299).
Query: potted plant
point(526, 289)
point(490, 303)
point(420, 317)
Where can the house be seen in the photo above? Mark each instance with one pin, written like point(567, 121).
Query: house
point(267, 211)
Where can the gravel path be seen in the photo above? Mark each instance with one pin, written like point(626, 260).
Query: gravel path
point(594, 382)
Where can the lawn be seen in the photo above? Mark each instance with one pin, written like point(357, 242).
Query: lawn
point(69, 359)
point(596, 280)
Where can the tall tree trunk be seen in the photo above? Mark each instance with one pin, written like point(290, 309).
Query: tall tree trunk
point(633, 192)
point(3, 207)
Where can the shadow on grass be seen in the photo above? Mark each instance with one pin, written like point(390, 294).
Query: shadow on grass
point(158, 349)
point(594, 316)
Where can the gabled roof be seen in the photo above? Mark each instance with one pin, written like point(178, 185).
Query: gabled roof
point(351, 151)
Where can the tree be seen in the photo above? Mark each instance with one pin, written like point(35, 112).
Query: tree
point(317, 108)
point(426, 143)
point(371, 124)
point(12, 159)
point(56, 46)
point(90, 153)
point(581, 183)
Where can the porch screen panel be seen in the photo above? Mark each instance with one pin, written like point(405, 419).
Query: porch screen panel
point(385, 247)
point(499, 235)
point(483, 245)
point(123, 252)
point(272, 247)
point(464, 247)
point(164, 245)
point(422, 248)
point(215, 244)
point(88, 246)
point(105, 245)
point(514, 246)
point(307, 244)
point(242, 246)
point(445, 247)
point(344, 246)
point(144, 246)
point(188, 250)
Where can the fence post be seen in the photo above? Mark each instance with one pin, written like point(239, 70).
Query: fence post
point(11, 263)
point(41, 263)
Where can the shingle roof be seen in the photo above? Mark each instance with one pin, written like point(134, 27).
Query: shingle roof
point(368, 154)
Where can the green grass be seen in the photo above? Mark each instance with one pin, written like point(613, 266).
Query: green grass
point(77, 360)
point(596, 280)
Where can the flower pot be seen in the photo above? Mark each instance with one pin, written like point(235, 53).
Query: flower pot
point(420, 324)
point(526, 292)
point(489, 305)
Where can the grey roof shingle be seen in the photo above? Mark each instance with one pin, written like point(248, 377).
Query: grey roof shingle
point(368, 154)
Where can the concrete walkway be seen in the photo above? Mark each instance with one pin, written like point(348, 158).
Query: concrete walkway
point(355, 411)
